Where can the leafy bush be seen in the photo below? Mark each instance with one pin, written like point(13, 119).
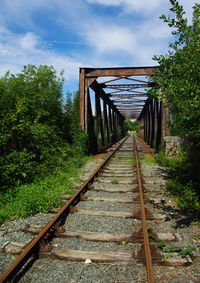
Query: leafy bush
point(148, 158)
point(181, 184)
point(31, 111)
point(79, 137)
point(188, 200)
point(16, 168)
point(39, 137)
point(35, 127)
point(172, 162)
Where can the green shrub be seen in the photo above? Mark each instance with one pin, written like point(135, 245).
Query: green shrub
point(174, 186)
point(181, 183)
point(16, 168)
point(188, 200)
point(42, 194)
point(37, 131)
point(149, 158)
point(80, 140)
point(164, 160)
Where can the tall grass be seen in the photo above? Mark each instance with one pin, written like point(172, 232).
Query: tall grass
point(43, 194)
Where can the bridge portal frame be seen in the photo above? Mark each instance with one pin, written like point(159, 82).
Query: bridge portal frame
point(107, 123)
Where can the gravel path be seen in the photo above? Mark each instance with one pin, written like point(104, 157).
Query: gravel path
point(48, 270)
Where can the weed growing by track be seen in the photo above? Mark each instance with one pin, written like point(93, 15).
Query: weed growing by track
point(43, 194)
point(115, 180)
point(170, 250)
point(182, 183)
point(148, 158)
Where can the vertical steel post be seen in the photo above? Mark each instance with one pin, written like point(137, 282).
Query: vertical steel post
point(93, 148)
point(110, 123)
point(86, 105)
point(106, 129)
point(145, 126)
point(152, 122)
point(165, 122)
point(82, 97)
point(110, 118)
point(99, 119)
point(148, 124)
point(159, 123)
point(156, 123)
point(141, 127)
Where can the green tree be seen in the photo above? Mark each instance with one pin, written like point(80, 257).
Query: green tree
point(178, 73)
point(79, 137)
point(177, 83)
point(131, 126)
point(30, 121)
point(67, 118)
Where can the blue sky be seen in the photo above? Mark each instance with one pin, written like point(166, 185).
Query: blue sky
point(69, 34)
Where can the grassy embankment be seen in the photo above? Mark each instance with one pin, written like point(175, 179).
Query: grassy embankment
point(42, 194)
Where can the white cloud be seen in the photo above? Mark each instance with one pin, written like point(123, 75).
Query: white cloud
point(111, 38)
point(130, 39)
point(155, 29)
point(135, 44)
point(19, 50)
point(28, 41)
point(138, 40)
point(145, 6)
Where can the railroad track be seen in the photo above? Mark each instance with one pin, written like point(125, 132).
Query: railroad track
point(107, 225)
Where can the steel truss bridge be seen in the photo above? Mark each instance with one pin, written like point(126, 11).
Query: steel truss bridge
point(108, 96)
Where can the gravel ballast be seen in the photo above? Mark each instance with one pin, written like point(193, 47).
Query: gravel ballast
point(53, 270)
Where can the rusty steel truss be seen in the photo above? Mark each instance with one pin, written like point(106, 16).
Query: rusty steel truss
point(154, 122)
point(119, 94)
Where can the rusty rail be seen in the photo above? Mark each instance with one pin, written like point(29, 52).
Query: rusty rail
point(34, 245)
point(149, 265)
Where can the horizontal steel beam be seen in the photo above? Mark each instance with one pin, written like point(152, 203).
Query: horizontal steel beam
point(128, 95)
point(112, 72)
point(127, 102)
point(130, 106)
point(131, 92)
point(126, 85)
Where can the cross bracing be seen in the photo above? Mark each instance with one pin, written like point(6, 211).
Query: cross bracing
point(119, 94)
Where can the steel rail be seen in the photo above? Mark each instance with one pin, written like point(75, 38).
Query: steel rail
point(149, 265)
point(33, 245)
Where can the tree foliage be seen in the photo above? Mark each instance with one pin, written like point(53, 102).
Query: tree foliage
point(36, 126)
point(131, 126)
point(177, 83)
point(178, 73)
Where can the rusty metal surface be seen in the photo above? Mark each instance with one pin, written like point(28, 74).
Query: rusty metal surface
point(82, 98)
point(128, 71)
point(51, 227)
point(115, 89)
point(119, 86)
point(149, 265)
